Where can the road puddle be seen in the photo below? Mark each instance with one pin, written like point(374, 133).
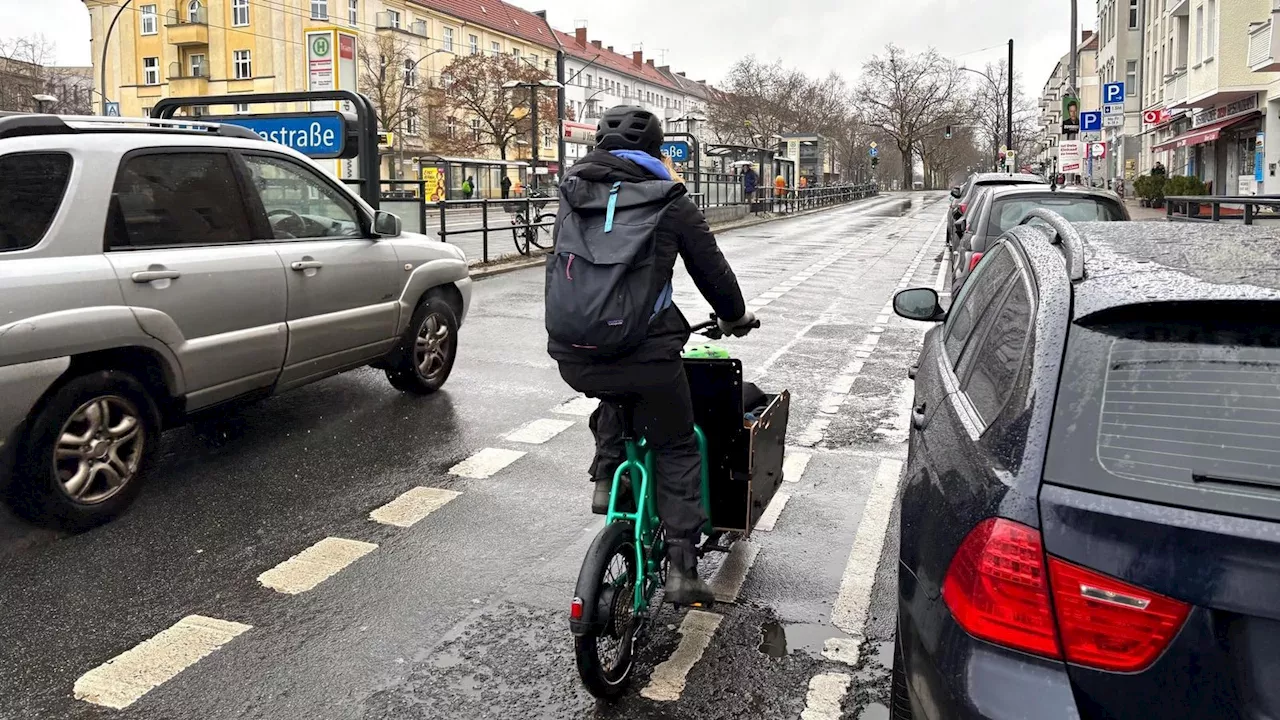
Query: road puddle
point(780, 639)
point(874, 711)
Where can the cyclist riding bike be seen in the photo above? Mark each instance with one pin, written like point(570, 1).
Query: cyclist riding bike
point(615, 331)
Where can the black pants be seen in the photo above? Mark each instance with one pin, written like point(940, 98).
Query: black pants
point(664, 418)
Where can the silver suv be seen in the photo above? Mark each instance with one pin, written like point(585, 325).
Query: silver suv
point(152, 269)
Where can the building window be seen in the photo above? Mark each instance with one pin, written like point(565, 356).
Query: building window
point(353, 12)
point(242, 64)
point(1199, 34)
point(411, 124)
point(319, 9)
point(149, 20)
point(474, 42)
point(198, 66)
point(447, 43)
point(588, 79)
point(515, 52)
point(495, 47)
point(239, 13)
point(1211, 33)
point(1133, 14)
point(1131, 77)
point(242, 108)
point(393, 19)
point(151, 71)
point(546, 138)
point(533, 59)
point(451, 128)
point(410, 73)
point(475, 129)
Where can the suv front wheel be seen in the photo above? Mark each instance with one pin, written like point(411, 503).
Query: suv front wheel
point(86, 451)
point(424, 359)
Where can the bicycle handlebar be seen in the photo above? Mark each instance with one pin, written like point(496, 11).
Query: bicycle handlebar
point(711, 328)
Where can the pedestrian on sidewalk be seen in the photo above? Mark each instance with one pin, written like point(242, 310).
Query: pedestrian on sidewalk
point(506, 186)
point(749, 183)
point(468, 187)
point(779, 186)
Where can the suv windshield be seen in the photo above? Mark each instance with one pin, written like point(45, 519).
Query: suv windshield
point(1008, 212)
point(1182, 413)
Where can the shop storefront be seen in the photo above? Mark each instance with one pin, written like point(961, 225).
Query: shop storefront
point(1220, 148)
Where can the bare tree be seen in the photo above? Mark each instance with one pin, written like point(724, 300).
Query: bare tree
point(389, 77)
point(27, 69)
point(471, 88)
point(908, 97)
point(757, 101)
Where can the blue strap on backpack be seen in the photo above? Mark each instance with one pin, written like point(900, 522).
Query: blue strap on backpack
point(613, 204)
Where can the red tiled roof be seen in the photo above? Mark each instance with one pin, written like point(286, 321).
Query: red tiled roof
point(614, 61)
point(496, 15)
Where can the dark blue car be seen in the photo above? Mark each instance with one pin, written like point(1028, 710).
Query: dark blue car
point(1091, 512)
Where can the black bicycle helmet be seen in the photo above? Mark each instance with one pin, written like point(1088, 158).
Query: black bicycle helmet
point(630, 127)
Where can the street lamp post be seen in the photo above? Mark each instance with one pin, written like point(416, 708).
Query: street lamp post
point(41, 99)
point(106, 42)
point(533, 116)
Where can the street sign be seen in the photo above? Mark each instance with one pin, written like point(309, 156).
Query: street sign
point(874, 152)
point(1113, 121)
point(1090, 136)
point(1090, 121)
point(112, 109)
point(1113, 93)
point(874, 144)
point(1113, 109)
point(317, 135)
point(678, 151)
point(1097, 150)
point(579, 133)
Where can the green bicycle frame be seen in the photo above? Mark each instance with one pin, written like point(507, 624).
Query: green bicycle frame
point(639, 464)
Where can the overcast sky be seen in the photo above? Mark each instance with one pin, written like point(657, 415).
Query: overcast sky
point(704, 37)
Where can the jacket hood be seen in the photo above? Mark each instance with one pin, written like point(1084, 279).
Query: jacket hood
point(588, 183)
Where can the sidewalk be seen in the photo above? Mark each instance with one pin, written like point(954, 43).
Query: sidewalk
point(1143, 214)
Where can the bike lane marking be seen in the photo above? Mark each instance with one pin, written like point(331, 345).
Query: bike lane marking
point(539, 431)
point(485, 463)
point(825, 693)
point(579, 407)
point(669, 677)
point(312, 566)
point(125, 678)
point(794, 464)
point(412, 506)
point(769, 518)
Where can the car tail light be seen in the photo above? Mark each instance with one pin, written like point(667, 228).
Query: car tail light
point(575, 609)
point(996, 589)
point(1109, 624)
point(973, 261)
point(964, 208)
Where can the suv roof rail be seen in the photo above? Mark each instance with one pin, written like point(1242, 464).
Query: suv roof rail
point(34, 124)
point(1064, 236)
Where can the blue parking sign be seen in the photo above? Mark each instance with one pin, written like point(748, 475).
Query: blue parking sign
point(1091, 121)
point(1112, 93)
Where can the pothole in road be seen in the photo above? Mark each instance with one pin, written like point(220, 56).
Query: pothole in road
point(779, 639)
point(874, 711)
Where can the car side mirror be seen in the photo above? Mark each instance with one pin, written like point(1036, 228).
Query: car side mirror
point(955, 192)
point(962, 226)
point(919, 304)
point(386, 224)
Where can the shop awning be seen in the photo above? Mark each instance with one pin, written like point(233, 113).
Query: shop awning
point(1204, 133)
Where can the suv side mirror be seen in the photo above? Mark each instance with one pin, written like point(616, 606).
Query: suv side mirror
point(919, 304)
point(955, 192)
point(962, 226)
point(386, 224)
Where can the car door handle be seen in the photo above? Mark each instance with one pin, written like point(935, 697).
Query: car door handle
point(306, 265)
point(146, 276)
point(917, 416)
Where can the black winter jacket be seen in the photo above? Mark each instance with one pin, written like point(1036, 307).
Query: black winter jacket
point(682, 231)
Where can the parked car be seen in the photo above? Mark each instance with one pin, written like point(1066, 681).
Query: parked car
point(1004, 208)
point(152, 269)
point(963, 196)
point(1090, 514)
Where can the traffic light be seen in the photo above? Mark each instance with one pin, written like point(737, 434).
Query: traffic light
point(875, 161)
point(948, 133)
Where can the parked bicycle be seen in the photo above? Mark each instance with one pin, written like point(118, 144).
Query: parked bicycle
point(530, 226)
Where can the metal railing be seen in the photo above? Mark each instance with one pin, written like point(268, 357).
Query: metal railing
point(1248, 209)
point(720, 189)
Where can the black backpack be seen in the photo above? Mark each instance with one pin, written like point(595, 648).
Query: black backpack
point(601, 294)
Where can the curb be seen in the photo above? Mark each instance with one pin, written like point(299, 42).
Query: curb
point(479, 272)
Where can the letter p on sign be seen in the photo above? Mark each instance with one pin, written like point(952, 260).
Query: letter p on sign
point(1112, 93)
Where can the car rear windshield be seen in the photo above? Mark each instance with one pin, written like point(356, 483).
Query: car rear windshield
point(1174, 412)
point(1008, 212)
point(31, 190)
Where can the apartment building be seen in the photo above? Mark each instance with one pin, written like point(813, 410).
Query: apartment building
point(1119, 53)
point(1088, 90)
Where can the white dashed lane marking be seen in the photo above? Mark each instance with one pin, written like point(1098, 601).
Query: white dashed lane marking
point(314, 565)
point(485, 463)
point(540, 431)
point(122, 680)
point(580, 406)
point(854, 600)
point(826, 691)
point(412, 506)
point(669, 677)
point(769, 518)
point(793, 465)
point(733, 571)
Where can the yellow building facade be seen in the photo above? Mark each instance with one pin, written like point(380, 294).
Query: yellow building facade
point(183, 48)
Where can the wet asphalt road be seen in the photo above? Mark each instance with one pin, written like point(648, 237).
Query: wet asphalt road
point(463, 615)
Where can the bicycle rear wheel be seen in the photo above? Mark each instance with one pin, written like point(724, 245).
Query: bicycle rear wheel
point(606, 589)
point(541, 236)
point(520, 234)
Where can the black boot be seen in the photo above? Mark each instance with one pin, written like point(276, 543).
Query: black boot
point(600, 497)
point(684, 587)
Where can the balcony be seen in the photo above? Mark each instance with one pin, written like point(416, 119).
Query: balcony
point(1263, 50)
point(188, 84)
point(388, 20)
point(1175, 88)
point(191, 28)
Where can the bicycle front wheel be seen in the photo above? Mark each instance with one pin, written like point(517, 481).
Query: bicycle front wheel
point(606, 591)
point(541, 236)
point(520, 234)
